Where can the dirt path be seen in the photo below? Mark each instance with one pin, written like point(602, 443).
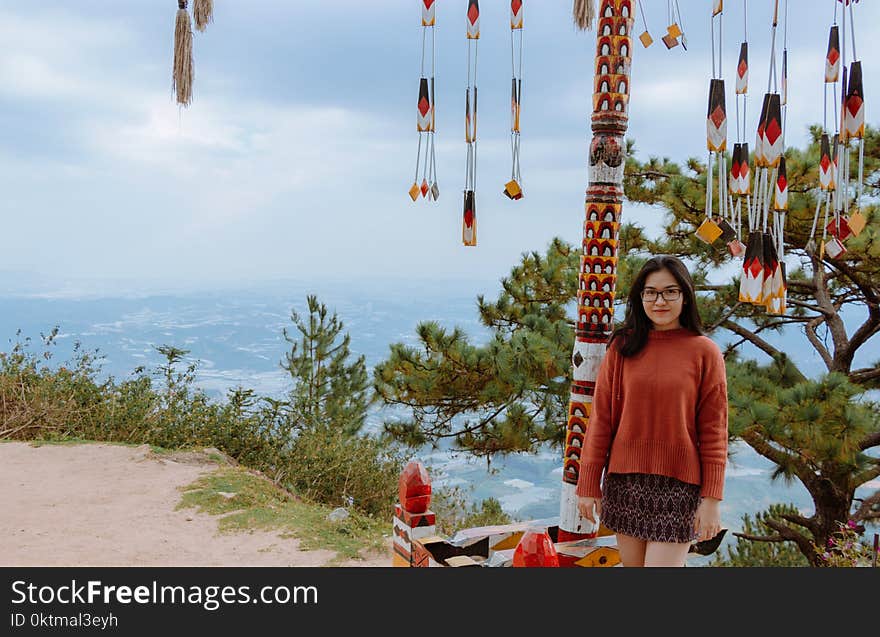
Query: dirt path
point(107, 505)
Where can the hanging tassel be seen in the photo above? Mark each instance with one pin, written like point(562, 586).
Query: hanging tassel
point(203, 13)
point(584, 11)
point(183, 62)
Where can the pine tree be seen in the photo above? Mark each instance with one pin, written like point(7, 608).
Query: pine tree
point(510, 394)
point(328, 390)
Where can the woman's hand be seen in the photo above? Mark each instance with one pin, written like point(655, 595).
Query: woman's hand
point(586, 505)
point(707, 522)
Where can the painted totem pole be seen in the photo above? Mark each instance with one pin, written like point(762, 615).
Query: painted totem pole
point(598, 272)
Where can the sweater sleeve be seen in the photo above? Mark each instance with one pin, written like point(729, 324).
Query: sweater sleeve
point(712, 427)
point(597, 441)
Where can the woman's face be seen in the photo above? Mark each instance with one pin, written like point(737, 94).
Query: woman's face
point(663, 312)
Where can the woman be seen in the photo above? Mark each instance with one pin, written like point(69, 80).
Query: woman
point(658, 426)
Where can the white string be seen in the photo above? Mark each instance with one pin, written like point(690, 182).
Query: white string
point(681, 25)
point(720, 44)
point(852, 31)
point(722, 186)
point(825, 109)
point(712, 36)
point(512, 63)
point(424, 34)
point(861, 173)
point(519, 102)
point(816, 217)
point(642, 10)
point(784, 113)
point(418, 159)
point(433, 108)
point(709, 179)
point(825, 223)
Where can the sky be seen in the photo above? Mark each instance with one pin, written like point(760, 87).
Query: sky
point(295, 157)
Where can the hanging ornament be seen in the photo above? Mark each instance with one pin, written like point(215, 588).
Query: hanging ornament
point(845, 224)
point(203, 13)
point(740, 177)
point(780, 193)
point(742, 70)
point(826, 164)
point(778, 288)
point(182, 74)
point(752, 280)
point(774, 290)
point(828, 149)
point(425, 113)
point(674, 31)
point(715, 225)
point(469, 221)
point(854, 107)
point(583, 12)
point(832, 57)
point(469, 214)
point(763, 277)
point(645, 37)
point(513, 188)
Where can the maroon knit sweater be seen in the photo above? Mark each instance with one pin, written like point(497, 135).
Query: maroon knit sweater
point(663, 411)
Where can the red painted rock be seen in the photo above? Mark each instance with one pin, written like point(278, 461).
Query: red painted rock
point(414, 488)
point(535, 548)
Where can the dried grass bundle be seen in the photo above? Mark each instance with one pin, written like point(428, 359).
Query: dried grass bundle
point(584, 11)
point(203, 13)
point(182, 76)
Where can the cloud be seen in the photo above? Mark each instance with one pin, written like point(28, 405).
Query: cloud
point(298, 150)
point(57, 54)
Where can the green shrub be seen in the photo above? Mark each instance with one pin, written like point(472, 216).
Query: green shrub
point(42, 401)
point(328, 467)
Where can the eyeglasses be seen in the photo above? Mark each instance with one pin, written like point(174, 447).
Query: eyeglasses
point(672, 294)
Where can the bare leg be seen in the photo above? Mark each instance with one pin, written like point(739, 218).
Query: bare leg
point(632, 550)
point(665, 553)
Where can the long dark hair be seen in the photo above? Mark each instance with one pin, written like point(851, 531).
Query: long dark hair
point(636, 324)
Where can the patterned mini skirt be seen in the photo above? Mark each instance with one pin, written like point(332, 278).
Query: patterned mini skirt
point(650, 507)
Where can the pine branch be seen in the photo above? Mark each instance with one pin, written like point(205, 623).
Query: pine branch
point(800, 520)
point(865, 511)
point(832, 319)
point(490, 417)
point(724, 318)
point(871, 441)
point(810, 331)
point(871, 326)
point(760, 538)
point(753, 338)
point(782, 458)
point(788, 533)
point(809, 306)
point(436, 430)
point(870, 292)
point(805, 287)
point(867, 474)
